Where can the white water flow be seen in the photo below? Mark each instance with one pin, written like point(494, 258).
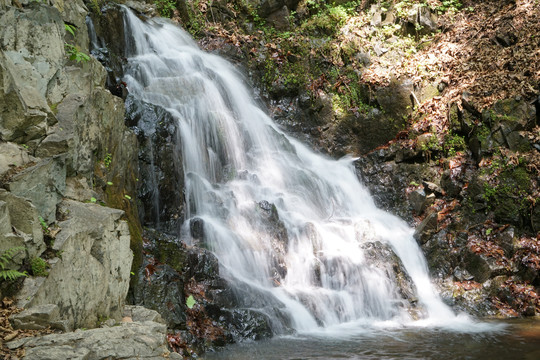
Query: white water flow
point(238, 163)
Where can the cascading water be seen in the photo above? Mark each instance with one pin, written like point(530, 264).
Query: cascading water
point(281, 219)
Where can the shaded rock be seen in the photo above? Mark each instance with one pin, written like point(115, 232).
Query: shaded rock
point(419, 201)
point(32, 44)
point(439, 255)
point(144, 340)
point(506, 241)
point(506, 39)
point(160, 166)
point(196, 228)
point(280, 19)
point(426, 228)
point(507, 118)
point(268, 7)
point(161, 288)
point(462, 274)
point(420, 20)
point(482, 267)
point(246, 324)
point(12, 156)
point(449, 185)
point(20, 214)
point(407, 155)
point(432, 187)
point(467, 103)
point(77, 188)
point(535, 218)
point(43, 184)
point(395, 100)
point(38, 318)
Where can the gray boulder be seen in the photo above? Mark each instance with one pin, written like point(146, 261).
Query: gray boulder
point(20, 225)
point(91, 279)
point(130, 340)
point(43, 184)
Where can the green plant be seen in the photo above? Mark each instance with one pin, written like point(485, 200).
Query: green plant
point(75, 54)
point(453, 144)
point(44, 225)
point(165, 7)
point(451, 6)
point(107, 160)
point(72, 51)
point(190, 302)
point(5, 258)
point(39, 266)
point(70, 29)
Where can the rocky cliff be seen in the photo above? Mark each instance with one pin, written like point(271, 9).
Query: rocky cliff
point(69, 230)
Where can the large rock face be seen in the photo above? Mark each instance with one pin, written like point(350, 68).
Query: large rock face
point(33, 53)
point(62, 135)
point(90, 280)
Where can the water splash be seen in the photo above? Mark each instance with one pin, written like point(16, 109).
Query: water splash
point(280, 218)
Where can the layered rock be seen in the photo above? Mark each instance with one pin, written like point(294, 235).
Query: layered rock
point(65, 156)
point(140, 336)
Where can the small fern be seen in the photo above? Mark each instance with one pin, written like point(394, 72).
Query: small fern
point(5, 258)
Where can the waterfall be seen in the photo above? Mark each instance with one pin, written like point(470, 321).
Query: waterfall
point(282, 220)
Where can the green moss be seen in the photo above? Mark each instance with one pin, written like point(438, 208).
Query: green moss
point(507, 194)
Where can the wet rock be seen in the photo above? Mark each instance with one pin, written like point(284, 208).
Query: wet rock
point(161, 288)
point(201, 265)
point(382, 256)
point(196, 228)
point(449, 185)
point(506, 241)
point(432, 187)
point(246, 324)
point(420, 201)
point(441, 258)
point(426, 228)
point(482, 267)
point(160, 165)
point(109, 28)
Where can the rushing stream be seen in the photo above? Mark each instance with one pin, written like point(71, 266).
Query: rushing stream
point(282, 220)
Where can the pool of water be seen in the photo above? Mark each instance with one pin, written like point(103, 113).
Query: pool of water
point(518, 339)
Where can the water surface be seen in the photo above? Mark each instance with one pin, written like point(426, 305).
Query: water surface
point(520, 339)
